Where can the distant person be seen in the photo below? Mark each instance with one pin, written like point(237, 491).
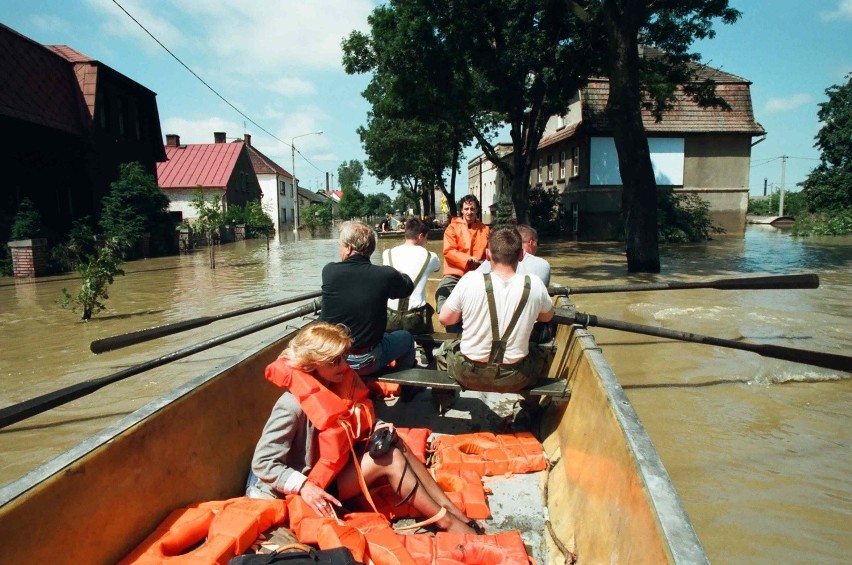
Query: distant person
point(530, 264)
point(498, 310)
point(465, 242)
point(413, 259)
point(385, 225)
point(355, 293)
point(304, 447)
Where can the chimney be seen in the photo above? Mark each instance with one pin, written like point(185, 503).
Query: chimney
point(248, 139)
point(172, 140)
point(218, 137)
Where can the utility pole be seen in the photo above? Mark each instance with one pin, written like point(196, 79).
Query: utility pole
point(783, 174)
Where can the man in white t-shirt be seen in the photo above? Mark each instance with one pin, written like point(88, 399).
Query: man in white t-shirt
point(413, 259)
point(496, 355)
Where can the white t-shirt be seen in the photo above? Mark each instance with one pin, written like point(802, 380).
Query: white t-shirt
point(529, 265)
point(469, 298)
point(409, 259)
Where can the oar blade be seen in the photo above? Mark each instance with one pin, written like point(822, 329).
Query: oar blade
point(808, 280)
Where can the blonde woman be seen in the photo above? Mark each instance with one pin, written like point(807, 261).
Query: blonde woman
point(322, 417)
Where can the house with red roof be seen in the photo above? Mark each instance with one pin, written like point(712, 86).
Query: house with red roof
point(219, 168)
point(276, 184)
point(703, 151)
point(69, 121)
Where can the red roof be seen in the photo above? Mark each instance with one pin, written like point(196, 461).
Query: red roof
point(207, 164)
point(264, 165)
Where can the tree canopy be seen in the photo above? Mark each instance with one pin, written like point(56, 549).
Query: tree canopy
point(349, 174)
point(829, 185)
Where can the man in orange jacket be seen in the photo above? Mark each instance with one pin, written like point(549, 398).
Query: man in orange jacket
point(465, 242)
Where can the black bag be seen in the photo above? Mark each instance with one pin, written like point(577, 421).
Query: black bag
point(336, 556)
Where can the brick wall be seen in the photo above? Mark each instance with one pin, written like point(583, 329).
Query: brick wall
point(29, 257)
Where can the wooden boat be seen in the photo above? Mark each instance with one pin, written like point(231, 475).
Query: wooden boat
point(609, 498)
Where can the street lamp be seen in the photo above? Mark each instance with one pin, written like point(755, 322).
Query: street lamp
point(295, 182)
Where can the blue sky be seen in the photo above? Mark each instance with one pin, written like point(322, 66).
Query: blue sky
point(279, 63)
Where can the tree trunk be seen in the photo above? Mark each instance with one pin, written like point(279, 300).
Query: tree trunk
point(639, 192)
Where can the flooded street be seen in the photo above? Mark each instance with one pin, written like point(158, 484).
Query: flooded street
point(760, 450)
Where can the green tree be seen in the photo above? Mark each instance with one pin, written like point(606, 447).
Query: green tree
point(829, 186)
point(257, 221)
point(353, 204)
point(544, 210)
point(27, 221)
point(684, 218)
point(474, 65)
point(209, 218)
point(98, 271)
point(349, 174)
point(378, 204)
point(135, 205)
point(614, 29)
point(318, 215)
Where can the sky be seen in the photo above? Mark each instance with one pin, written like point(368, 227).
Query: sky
point(273, 69)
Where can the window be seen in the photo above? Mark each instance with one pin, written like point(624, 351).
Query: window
point(550, 168)
point(539, 170)
point(283, 190)
point(575, 161)
point(563, 156)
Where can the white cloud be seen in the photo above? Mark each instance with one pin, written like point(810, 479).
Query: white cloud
point(50, 23)
point(777, 105)
point(843, 11)
point(292, 87)
point(116, 23)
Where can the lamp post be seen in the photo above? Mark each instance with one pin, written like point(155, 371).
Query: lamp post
point(295, 182)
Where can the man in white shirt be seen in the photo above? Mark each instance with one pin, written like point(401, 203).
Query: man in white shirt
point(498, 310)
point(530, 264)
point(413, 259)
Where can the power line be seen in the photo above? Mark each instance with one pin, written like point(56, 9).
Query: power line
point(213, 90)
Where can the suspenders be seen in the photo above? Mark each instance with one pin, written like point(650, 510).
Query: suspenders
point(402, 305)
point(498, 343)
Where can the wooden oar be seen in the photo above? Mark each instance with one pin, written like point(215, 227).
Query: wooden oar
point(819, 359)
point(45, 402)
point(139, 336)
point(743, 283)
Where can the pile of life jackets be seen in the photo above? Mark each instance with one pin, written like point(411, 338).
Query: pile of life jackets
point(214, 532)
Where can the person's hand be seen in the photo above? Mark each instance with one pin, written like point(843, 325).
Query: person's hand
point(473, 262)
point(319, 500)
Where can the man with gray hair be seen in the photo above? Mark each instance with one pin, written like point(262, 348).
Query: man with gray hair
point(355, 293)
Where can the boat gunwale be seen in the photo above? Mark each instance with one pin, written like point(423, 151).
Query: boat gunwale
point(677, 529)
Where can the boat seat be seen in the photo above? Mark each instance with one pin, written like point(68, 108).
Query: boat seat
point(557, 389)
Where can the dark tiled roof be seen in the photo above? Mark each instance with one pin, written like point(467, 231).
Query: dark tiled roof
point(686, 116)
point(209, 165)
point(563, 133)
point(39, 85)
point(264, 165)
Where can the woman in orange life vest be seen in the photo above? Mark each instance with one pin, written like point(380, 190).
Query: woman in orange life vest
point(305, 445)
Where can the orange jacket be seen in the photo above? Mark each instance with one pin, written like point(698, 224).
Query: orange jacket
point(461, 243)
point(338, 420)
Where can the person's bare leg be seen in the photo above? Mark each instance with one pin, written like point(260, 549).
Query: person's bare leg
point(391, 466)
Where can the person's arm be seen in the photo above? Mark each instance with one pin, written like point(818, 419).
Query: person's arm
point(270, 461)
point(401, 285)
point(454, 255)
point(451, 311)
point(546, 313)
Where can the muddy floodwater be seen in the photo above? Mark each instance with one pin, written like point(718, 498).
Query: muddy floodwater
point(760, 450)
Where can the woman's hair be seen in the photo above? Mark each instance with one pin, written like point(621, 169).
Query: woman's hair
point(318, 343)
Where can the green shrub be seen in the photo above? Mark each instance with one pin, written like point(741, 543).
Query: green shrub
point(544, 210)
point(98, 272)
point(27, 222)
point(318, 215)
point(835, 222)
point(683, 218)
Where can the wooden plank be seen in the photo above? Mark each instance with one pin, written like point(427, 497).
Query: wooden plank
point(557, 389)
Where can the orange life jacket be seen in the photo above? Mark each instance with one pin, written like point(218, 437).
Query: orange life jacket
point(227, 528)
point(488, 454)
point(340, 422)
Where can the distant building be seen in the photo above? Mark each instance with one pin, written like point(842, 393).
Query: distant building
point(69, 121)
point(705, 151)
point(219, 168)
point(276, 185)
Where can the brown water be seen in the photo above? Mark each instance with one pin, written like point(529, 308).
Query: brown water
point(758, 449)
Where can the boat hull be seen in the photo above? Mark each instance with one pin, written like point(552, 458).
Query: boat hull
point(609, 497)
